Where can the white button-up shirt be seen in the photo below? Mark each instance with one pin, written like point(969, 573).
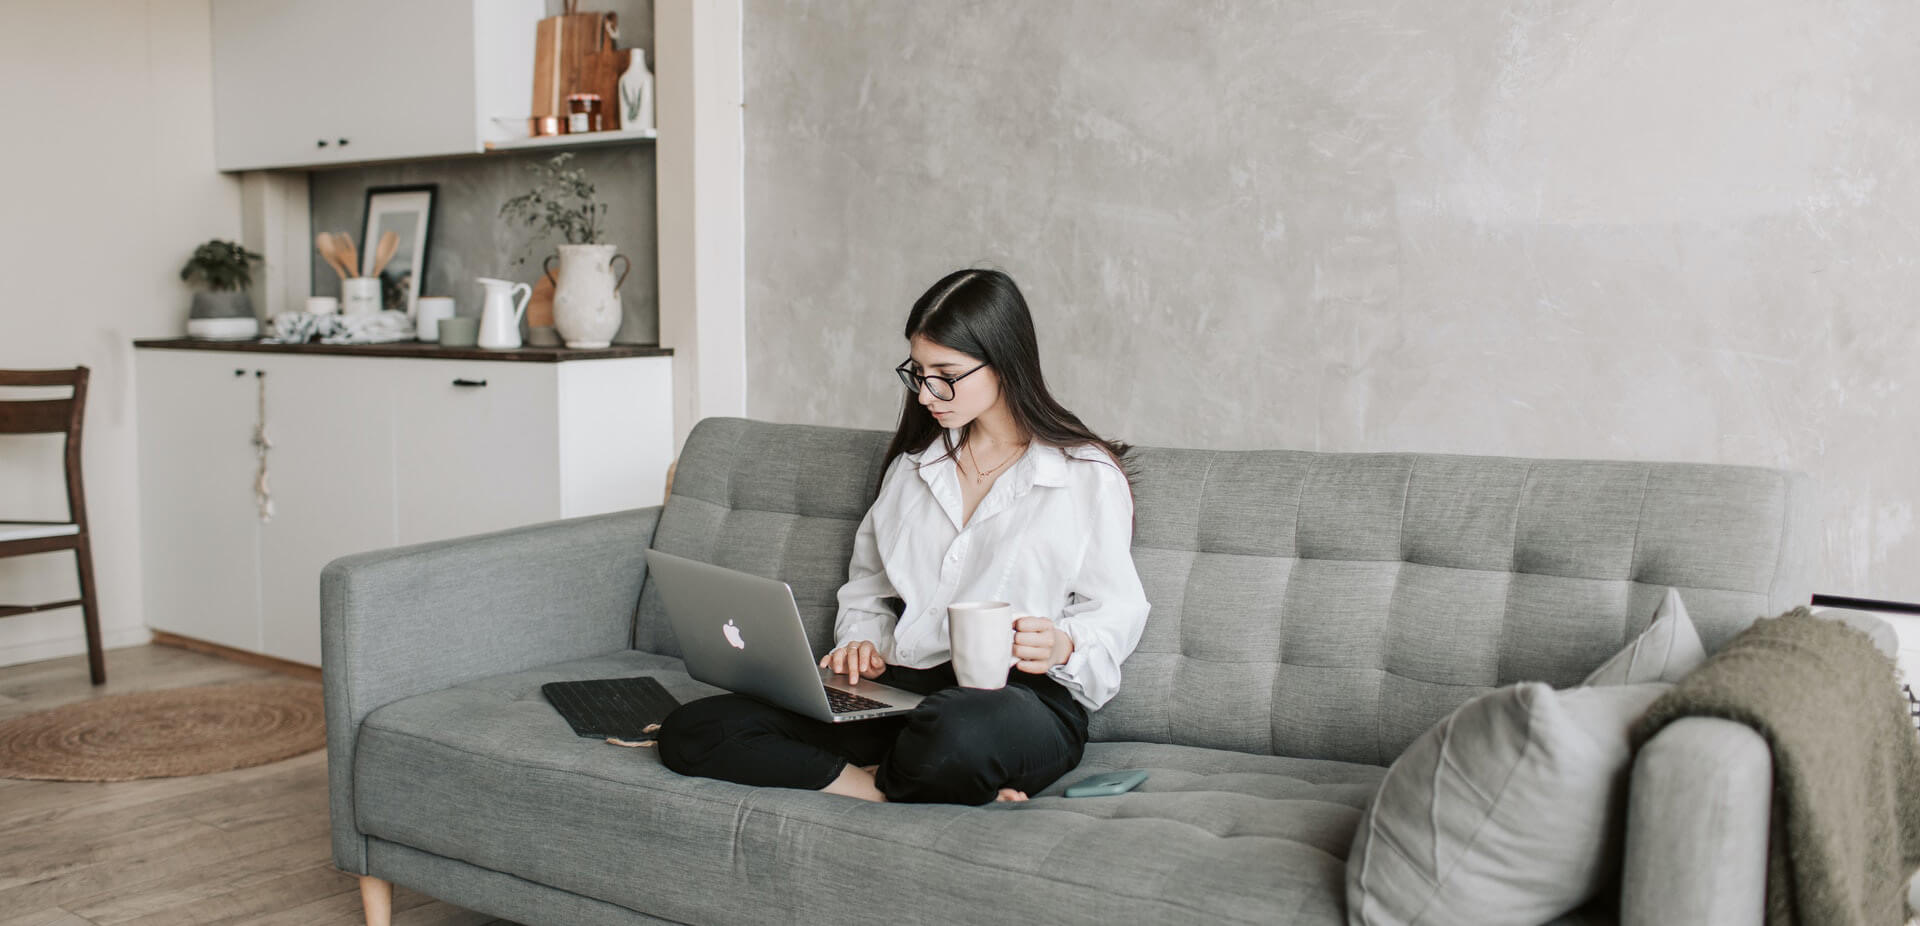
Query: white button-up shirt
point(1051, 537)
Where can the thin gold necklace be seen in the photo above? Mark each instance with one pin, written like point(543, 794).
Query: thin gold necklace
point(980, 475)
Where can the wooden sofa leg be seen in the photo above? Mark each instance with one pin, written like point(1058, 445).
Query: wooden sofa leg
point(376, 899)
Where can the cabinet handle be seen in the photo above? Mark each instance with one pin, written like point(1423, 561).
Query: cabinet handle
point(469, 382)
point(343, 143)
point(322, 143)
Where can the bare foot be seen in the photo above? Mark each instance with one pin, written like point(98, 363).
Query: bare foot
point(1009, 795)
point(856, 781)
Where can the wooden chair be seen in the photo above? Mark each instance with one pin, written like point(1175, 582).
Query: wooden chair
point(20, 538)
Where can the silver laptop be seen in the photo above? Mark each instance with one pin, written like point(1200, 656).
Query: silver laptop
point(743, 633)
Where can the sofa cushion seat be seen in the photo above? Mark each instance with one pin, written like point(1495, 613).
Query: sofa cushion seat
point(488, 773)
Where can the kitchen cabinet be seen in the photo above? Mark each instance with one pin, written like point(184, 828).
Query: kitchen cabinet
point(451, 453)
point(367, 453)
point(301, 84)
point(331, 477)
point(201, 561)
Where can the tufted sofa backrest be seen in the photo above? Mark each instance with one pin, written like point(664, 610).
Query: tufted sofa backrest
point(1311, 604)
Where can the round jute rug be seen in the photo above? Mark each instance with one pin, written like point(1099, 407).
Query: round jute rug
point(166, 733)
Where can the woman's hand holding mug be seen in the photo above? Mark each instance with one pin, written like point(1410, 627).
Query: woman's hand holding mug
point(855, 661)
point(1039, 646)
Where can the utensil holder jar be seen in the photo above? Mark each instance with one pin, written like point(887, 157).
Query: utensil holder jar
point(360, 296)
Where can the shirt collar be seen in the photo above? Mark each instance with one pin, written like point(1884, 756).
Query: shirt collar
point(1049, 465)
point(1042, 464)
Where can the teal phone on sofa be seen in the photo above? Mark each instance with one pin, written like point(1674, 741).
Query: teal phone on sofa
point(1107, 784)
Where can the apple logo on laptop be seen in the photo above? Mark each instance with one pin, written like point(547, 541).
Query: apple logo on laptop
point(733, 635)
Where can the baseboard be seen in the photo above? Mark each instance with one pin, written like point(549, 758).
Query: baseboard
point(295, 669)
point(76, 645)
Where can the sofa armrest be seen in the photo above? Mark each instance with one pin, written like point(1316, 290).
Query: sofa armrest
point(410, 620)
point(1697, 815)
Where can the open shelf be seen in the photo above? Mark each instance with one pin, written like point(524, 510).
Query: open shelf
point(576, 140)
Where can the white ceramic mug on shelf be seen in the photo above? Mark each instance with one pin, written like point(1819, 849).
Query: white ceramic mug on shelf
point(980, 633)
point(322, 305)
point(360, 295)
point(431, 310)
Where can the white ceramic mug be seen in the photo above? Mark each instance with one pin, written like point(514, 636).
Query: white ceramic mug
point(360, 295)
point(322, 305)
point(431, 309)
point(980, 633)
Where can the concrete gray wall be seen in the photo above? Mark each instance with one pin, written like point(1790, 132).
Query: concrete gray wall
point(1574, 228)
point(469, 239)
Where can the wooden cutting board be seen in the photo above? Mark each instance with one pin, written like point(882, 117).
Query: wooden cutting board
point(562, 46)
point(540, 303)
point(600, 73)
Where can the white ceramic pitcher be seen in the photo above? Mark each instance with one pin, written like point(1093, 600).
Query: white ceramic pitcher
point(500, 312)
point(586, 296)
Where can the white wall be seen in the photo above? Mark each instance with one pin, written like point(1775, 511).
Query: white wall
point(109, 184)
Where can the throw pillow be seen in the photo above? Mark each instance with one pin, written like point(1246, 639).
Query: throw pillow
point(1665, 652)
point(1511, 810)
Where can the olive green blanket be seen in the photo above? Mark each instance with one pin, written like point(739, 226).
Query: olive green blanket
point(1845, 834)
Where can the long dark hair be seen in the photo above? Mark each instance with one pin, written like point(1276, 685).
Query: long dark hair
point(981, 313)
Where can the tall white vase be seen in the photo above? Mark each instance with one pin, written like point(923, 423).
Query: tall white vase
point(636, 93)
point(586, 294)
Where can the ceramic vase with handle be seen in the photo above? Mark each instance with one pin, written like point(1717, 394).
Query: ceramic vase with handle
point(586, 294)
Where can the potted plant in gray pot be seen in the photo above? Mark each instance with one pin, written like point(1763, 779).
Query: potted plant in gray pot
point(222, 310)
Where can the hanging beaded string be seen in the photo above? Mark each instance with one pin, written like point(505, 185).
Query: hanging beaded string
point(262, 492)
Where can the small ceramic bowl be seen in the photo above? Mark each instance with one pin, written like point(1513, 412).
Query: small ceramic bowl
point(459, 331)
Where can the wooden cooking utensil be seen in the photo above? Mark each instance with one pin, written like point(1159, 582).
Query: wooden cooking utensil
point(348, 252)
point(389, 243)
point(329, 252)
point(341, 247)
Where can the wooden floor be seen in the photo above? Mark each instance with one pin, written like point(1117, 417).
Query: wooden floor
point(246, 846)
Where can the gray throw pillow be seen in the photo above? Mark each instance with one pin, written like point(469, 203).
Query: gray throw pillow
point(1665, 652)
point(1511, 810)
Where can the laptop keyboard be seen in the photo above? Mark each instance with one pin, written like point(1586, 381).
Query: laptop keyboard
point(844, 702)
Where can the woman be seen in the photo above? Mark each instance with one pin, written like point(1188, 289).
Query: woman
point(991, 491)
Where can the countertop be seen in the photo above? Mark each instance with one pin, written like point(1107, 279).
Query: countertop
point(414, 349)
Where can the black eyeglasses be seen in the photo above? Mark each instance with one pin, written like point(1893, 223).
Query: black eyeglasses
point(940, 386)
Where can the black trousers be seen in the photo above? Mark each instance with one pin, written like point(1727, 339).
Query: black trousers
point(960, 746)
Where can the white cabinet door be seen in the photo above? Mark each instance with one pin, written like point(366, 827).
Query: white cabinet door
point(616, 434)
point(331, 470)
point(300, 82)
point(272, 63)
point(199, 533)
point(407, 78)
point(475, 446)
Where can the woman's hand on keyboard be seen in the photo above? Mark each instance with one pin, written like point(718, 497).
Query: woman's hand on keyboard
point(855, 661)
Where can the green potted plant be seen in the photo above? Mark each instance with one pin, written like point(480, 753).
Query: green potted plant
point(222, 271)
point(586, 295)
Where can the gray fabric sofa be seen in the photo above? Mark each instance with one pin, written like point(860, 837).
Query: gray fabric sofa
point(1313, 613)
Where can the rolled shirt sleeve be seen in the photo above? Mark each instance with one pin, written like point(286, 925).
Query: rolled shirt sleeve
point(1108, 610)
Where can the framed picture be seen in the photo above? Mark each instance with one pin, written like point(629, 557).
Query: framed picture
point(407, 211)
